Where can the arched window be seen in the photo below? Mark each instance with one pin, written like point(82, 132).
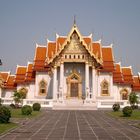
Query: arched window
point(104, 88)
point(124, 94)
point(42, 87)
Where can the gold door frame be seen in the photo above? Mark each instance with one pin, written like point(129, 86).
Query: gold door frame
point(70, 80)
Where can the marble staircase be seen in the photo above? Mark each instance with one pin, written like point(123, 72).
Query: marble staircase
point(75, 104)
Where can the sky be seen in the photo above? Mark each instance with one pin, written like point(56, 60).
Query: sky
point(23, 23)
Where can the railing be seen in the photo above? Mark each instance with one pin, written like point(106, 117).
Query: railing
point(109, 103)
point(43, 102)
point(7, 101)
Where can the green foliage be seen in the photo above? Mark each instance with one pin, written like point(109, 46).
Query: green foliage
point(6, 127)
point(36, 107)
point(19, 96)
point(116, 107)
point(0, 101)
point(26, 110)
point(119, 114)
point(12, 106)
point(127, 111)
point(133, 99)
point(5, 114)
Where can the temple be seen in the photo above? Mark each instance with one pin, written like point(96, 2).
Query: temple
point(72, 72)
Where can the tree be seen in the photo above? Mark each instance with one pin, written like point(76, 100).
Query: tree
point(19, 96)
point(0, 101)
point(133, 99)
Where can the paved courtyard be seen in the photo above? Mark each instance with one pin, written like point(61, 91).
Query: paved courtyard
point(74, 125)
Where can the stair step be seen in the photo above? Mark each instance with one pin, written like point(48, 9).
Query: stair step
point(74, 104)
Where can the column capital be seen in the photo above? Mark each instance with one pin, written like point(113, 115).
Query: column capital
point(55, 66)
point(86, 62)
point(61, 62)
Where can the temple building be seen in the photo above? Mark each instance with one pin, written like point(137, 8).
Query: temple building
point(72, 72)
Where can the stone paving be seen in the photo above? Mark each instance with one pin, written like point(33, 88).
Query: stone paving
point(74, 125)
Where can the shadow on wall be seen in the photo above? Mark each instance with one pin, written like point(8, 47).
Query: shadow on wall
point(50, 90)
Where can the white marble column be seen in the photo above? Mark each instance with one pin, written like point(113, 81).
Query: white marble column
point(87, 80)
point(61, 80)
point(93, 83)
point(55, 83)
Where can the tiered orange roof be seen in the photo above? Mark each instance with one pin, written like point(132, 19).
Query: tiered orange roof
point(30, 73)
point(96, 49)
point(117, 74)
point(127, 75)
point(20, 74)
point(59, 42)
point(40, 57)
point(10, 84)
point(87, 40)
point(51, 49)
point(136, 84)
point(108, 60)
point(45, 53)
point(4, 75)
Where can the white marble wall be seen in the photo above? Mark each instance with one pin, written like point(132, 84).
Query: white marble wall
point(101, 77)
point(43, 76)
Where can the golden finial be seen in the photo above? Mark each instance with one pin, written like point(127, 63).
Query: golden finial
point(74, 22)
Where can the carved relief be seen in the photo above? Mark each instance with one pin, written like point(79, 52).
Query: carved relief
point(42, 87)
point(74, 46)
point(74, 85)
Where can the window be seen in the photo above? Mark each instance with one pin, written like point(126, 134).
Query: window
point(124, 94)
point(42, 87)
point(104, 88)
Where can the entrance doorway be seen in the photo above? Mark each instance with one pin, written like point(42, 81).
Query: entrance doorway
point(74, 89)
point(74, 85)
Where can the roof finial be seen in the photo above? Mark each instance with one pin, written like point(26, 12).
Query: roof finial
point(74, 22)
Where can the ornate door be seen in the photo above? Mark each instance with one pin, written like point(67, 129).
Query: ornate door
point(74, 89)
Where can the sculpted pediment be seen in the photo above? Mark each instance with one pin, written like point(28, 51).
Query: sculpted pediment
point(74, 46)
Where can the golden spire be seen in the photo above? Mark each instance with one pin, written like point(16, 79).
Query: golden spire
point(74, 21)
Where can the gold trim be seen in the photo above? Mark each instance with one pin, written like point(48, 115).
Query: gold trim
point(70, 80)
point(102, 86)
point(45, 93)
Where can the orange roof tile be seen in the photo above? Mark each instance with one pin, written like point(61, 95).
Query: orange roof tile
point(51, 49)
point(10, 84)
point(40, 58)
point(60, 42)
point(127, 75)
point(96, 49)
point(107, 54)
point(4, 75)
point(29, 73)
point(136, 84)
point(87, 40)
point(20, 74)
point(40, 53)
point(108, 61)
point(117, 74)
